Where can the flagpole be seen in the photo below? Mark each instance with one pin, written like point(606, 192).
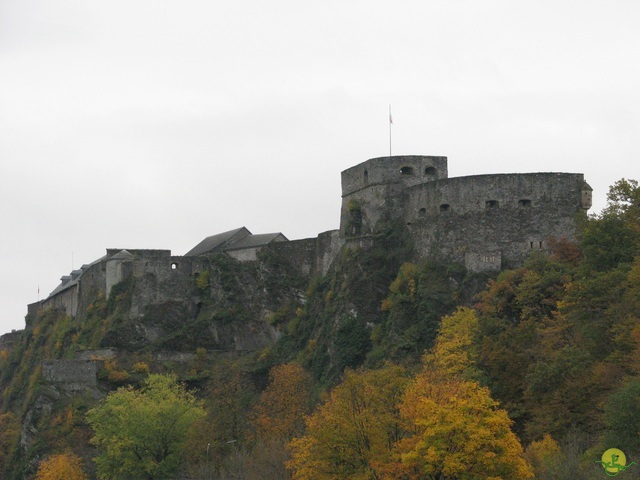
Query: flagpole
point(390, 123)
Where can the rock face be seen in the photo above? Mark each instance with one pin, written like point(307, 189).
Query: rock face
point(217, 303)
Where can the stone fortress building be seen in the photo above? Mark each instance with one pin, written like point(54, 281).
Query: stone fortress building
point(486, 222)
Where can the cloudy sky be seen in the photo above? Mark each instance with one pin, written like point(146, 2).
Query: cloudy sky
point(152, 124)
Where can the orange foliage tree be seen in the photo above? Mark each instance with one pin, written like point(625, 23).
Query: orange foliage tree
point(65, 466)
point(280, 411)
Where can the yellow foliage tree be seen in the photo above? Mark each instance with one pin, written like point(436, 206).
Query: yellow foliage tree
point(454, 352)
point(457, 431)
point(454, 428)
point(352, 433)
point(543, 456)
point(66, 466)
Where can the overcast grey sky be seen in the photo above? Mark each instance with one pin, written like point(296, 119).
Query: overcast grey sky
point(153, 124)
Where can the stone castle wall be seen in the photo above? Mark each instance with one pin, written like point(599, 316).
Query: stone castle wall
point(483, 216)
point(486, 222)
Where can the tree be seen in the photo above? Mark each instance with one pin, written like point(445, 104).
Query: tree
point(229, 396)
point(613, 237)
point(458, 431)
point(622, 418)
point(66, 466)
point(624, 200)
point(280, 411)
point(352, 433)
point(9, 437)
point(418, 297)
point(453, 428)
point(141, 432)
point(544, 456)
point(455, 349)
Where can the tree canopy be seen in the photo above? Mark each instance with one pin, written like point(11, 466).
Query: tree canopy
point(141, 432)
point(65, 466)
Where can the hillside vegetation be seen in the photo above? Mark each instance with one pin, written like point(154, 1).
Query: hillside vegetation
point(387, 367)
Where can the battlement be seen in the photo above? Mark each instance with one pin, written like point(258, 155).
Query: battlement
point(406, 170)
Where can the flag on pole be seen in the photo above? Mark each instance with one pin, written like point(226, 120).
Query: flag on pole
point(390, 123)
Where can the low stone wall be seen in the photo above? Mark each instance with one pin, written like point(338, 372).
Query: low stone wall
point(71, 376)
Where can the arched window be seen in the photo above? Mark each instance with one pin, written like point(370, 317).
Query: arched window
point(524, 203)
point(444, 207)
point(491, 204)
point(174, 266)
point(406, 171)
point(430, 172)
point(366, 176)
point(422, 212)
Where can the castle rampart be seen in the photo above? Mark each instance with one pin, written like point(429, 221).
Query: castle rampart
point(494, 216)
point(486, 222)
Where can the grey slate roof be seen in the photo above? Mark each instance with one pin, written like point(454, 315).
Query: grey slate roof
point(253, 241)
point(237, 239)
point(216, 243)
point(69, 281)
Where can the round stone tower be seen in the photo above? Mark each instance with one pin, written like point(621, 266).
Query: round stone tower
point(372, 189)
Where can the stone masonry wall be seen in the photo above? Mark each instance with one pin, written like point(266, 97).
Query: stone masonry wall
point(487, 215)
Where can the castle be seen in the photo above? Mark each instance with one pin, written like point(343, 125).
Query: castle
point(486, 222)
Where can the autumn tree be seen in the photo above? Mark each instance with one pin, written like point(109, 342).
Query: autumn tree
point(455, 349)
point(9, 436)
point(65, 466)
point(453, 428)
point(141, 432)
point(352, 433)
point(281, 409)
point(222, 432)
point(418, 297)
point(544, 456)
point(457, 431)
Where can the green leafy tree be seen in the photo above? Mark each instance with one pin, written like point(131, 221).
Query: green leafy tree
point(544, 456)
point(624, 200)
point(141, 432)
point(613, 237)
point(9, 437)
point(417, 299)
point(622, 418)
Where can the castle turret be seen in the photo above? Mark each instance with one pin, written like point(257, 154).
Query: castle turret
point(371, 189)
